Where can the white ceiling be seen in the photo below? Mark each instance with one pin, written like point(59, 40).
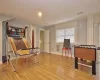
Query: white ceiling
point(54, 11)
point(5, 17)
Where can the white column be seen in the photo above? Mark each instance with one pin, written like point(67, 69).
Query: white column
point(90, 30)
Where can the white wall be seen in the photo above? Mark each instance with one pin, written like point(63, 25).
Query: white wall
point(96, 29)
point(80, 26)
point(1, 42)
point(96, 34)
point(81, 31)
point(2, 39)
point(86, 31)
point(68, 24)
point(18, 23)
point(90, 24)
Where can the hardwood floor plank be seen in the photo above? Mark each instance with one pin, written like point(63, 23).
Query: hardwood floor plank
point(51, 67)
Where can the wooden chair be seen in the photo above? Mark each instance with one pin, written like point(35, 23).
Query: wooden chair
point(20, 49)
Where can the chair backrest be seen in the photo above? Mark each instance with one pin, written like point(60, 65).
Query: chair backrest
point(28, 44)
point(66, 43)
point(17, 44)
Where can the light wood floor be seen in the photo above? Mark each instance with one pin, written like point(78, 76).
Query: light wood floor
point(51, 67)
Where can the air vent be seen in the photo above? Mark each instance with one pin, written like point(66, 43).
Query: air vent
point(79, 13)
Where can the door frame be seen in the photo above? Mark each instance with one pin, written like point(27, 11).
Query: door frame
point(32, 38)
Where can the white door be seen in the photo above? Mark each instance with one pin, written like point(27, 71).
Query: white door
point(46, 41)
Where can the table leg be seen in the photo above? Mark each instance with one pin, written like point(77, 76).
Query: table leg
point(76, 63)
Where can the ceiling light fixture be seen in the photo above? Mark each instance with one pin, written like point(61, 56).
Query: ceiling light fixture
point(39, 14)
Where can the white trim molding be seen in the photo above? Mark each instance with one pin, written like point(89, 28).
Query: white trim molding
point(57, 53)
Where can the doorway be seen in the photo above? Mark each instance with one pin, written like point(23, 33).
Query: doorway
point(41, 40)
point(46, 41)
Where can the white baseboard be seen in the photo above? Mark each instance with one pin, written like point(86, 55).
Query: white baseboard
point(57, 53)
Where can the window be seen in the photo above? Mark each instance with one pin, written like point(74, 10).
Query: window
point(65, 34)
point(59, 35)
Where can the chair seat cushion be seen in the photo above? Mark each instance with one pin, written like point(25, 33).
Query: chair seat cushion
point(23, 52)
point(66, 48)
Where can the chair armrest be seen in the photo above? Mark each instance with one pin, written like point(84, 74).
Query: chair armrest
point(28, 49)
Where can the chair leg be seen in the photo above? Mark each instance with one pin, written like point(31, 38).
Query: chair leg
point(71, 53)
point(7, 59)
point(62, 52)
point(36, 59)
point(16, 60)
point(65, 52)
point(26, 60)
point(68, 52)
point(11, 64)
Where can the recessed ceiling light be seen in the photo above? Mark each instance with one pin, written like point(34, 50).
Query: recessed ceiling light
point(39, 14)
